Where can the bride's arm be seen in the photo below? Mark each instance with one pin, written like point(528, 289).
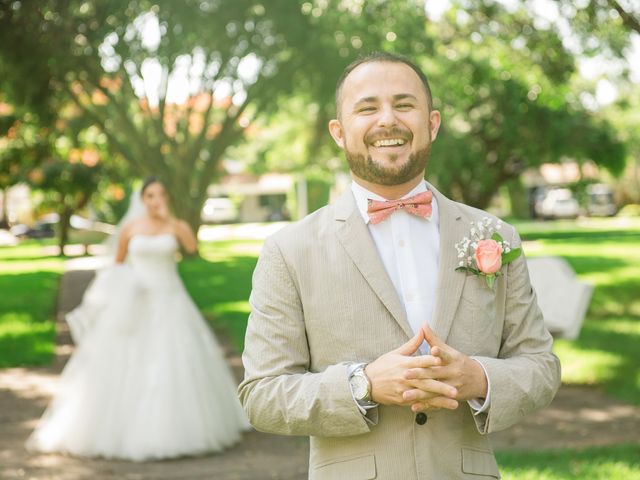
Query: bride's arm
point(123, 243)
point(185, 236)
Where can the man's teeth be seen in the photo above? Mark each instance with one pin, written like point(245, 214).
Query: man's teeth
point(391, 142)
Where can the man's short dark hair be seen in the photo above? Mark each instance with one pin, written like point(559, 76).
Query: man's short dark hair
point(382, 57)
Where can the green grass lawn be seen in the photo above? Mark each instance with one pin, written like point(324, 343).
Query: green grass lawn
point(619, 462)
point(220, 283)
point(606, 254)
point(28, 288)
point(606, 354)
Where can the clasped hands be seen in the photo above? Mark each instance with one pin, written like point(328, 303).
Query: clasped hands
point(425, 382)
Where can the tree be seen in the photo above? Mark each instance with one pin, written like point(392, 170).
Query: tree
point(119, 62)
point(21, 146)
point(505, 88)
point(507, 93)
point(64, 161)
point(604, 23)
point(69, 187)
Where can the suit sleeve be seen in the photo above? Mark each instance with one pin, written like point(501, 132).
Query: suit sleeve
point(526, 374)
point(279, 393)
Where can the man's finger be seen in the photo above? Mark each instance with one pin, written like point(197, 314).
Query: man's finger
point(431, 337)
point(412, 345)
point(429, 388)
point(443, 352)
point(423, 361)
point(435, 403)
point(424, 369)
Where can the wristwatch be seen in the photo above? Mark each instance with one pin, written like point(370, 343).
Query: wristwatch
point(360, 385)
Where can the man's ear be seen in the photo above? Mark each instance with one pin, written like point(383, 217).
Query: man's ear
point(335, 129)
point(434, 123)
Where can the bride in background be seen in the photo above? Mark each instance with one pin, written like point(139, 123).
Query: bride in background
point(147, 379)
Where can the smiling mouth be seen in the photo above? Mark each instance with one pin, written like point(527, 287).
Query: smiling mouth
point(389, 142)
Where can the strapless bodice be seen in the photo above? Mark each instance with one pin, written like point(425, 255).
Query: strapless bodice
point(153, 259)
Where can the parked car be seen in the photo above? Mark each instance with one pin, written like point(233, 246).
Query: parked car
point(219, 210)
point(44, 228)
point(82, 230)
point(600, 201)
point(557, 203)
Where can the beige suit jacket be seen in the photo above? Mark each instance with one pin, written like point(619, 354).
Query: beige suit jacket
point(322, 299)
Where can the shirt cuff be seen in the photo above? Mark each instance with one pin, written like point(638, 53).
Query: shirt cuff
point(479, 405)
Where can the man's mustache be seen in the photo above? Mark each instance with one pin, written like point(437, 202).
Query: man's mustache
point(384, 133)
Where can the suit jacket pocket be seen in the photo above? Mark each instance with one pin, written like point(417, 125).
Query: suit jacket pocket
point(361, 467)
point(479, 462)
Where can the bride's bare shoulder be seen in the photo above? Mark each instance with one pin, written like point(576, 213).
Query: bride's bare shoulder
point(132, 227)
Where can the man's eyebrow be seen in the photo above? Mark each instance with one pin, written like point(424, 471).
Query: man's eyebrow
point(396, 97)
point(403, 96)
point(366, 100)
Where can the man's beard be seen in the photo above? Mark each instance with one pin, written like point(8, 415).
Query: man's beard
point(367, 169)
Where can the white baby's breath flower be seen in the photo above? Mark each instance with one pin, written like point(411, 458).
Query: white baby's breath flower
point(507, 249)
point(461, 264)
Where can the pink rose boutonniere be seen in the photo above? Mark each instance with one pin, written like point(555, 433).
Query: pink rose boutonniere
point(484, 251)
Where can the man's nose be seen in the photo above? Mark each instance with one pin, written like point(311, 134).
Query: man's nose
point(387, 117)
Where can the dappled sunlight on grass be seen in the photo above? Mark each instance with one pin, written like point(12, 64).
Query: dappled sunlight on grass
point(606, 352)
point(24, 341)
point(28, 287)
point(220, 284)
point(618, 462)
point(586, 366)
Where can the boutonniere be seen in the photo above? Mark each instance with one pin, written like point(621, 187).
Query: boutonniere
point(483, 252)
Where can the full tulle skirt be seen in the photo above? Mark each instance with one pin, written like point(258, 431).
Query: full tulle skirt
point(148, 379)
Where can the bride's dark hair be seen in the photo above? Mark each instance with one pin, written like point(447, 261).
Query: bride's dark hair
point(149, 181)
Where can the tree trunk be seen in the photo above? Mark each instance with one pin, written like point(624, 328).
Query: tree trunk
point(4, 220)
point(518, 198)
point(186, 207)
point(65, 221)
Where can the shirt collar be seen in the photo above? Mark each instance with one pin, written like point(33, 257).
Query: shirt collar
point(362, 195)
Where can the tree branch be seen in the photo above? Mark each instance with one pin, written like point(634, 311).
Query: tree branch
point(627, 18)
point(115, 142)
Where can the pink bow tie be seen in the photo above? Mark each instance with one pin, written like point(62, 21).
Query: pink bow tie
point(419, 205)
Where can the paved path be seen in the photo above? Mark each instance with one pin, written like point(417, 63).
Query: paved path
point(579, 416)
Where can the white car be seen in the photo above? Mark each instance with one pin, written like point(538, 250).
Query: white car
point(558, 203)
point(219, 210)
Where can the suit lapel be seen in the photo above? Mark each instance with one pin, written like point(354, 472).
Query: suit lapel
point(450, 282)
point(354, 236)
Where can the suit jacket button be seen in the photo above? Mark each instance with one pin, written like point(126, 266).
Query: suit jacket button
point(421, 418)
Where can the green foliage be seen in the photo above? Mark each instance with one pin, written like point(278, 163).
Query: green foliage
point(504, 85)
point(603, 23)
point(266, 71)
point(507, 103)
point(241, 57)
point(618, 462)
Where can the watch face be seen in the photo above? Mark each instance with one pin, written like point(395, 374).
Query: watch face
point(360, 387)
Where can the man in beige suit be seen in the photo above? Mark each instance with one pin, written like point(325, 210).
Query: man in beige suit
point(363, 335)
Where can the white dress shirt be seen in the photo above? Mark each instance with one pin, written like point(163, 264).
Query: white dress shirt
point(409, 247)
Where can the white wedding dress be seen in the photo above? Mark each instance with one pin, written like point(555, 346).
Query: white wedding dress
point(147, 379)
